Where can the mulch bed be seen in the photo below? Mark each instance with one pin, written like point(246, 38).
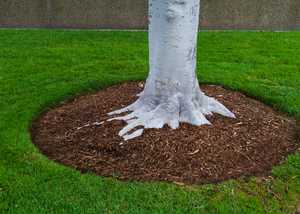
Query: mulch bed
point(251, 144)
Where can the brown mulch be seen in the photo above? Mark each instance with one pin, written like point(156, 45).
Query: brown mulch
point(251, 144)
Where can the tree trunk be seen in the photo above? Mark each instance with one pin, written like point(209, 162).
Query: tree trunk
point(171, 94)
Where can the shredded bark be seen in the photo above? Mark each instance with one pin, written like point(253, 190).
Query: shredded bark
point(259, 138)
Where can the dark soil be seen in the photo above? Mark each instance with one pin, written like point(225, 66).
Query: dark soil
point(251, 144)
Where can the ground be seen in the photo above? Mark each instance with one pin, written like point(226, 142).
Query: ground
point(39, 68)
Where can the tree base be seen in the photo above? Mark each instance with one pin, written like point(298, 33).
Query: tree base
point(251, 144)
point(154, 112)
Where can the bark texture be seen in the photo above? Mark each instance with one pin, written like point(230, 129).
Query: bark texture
point(172, 93)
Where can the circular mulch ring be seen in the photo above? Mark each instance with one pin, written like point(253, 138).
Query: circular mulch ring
point(251, 144)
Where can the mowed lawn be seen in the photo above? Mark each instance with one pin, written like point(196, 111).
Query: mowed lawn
point(40, 68)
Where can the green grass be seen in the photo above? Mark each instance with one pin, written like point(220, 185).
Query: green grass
point(39, 68)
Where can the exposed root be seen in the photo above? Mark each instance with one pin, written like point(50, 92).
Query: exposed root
point(154, 112)
point(90, 124)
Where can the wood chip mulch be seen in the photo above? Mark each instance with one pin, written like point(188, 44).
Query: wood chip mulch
point(251, 144)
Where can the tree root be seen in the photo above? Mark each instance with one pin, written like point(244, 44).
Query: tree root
point(154, 112)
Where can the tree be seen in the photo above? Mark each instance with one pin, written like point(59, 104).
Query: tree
point(171, 94)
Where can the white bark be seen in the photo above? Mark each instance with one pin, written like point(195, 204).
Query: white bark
point(171, 94)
